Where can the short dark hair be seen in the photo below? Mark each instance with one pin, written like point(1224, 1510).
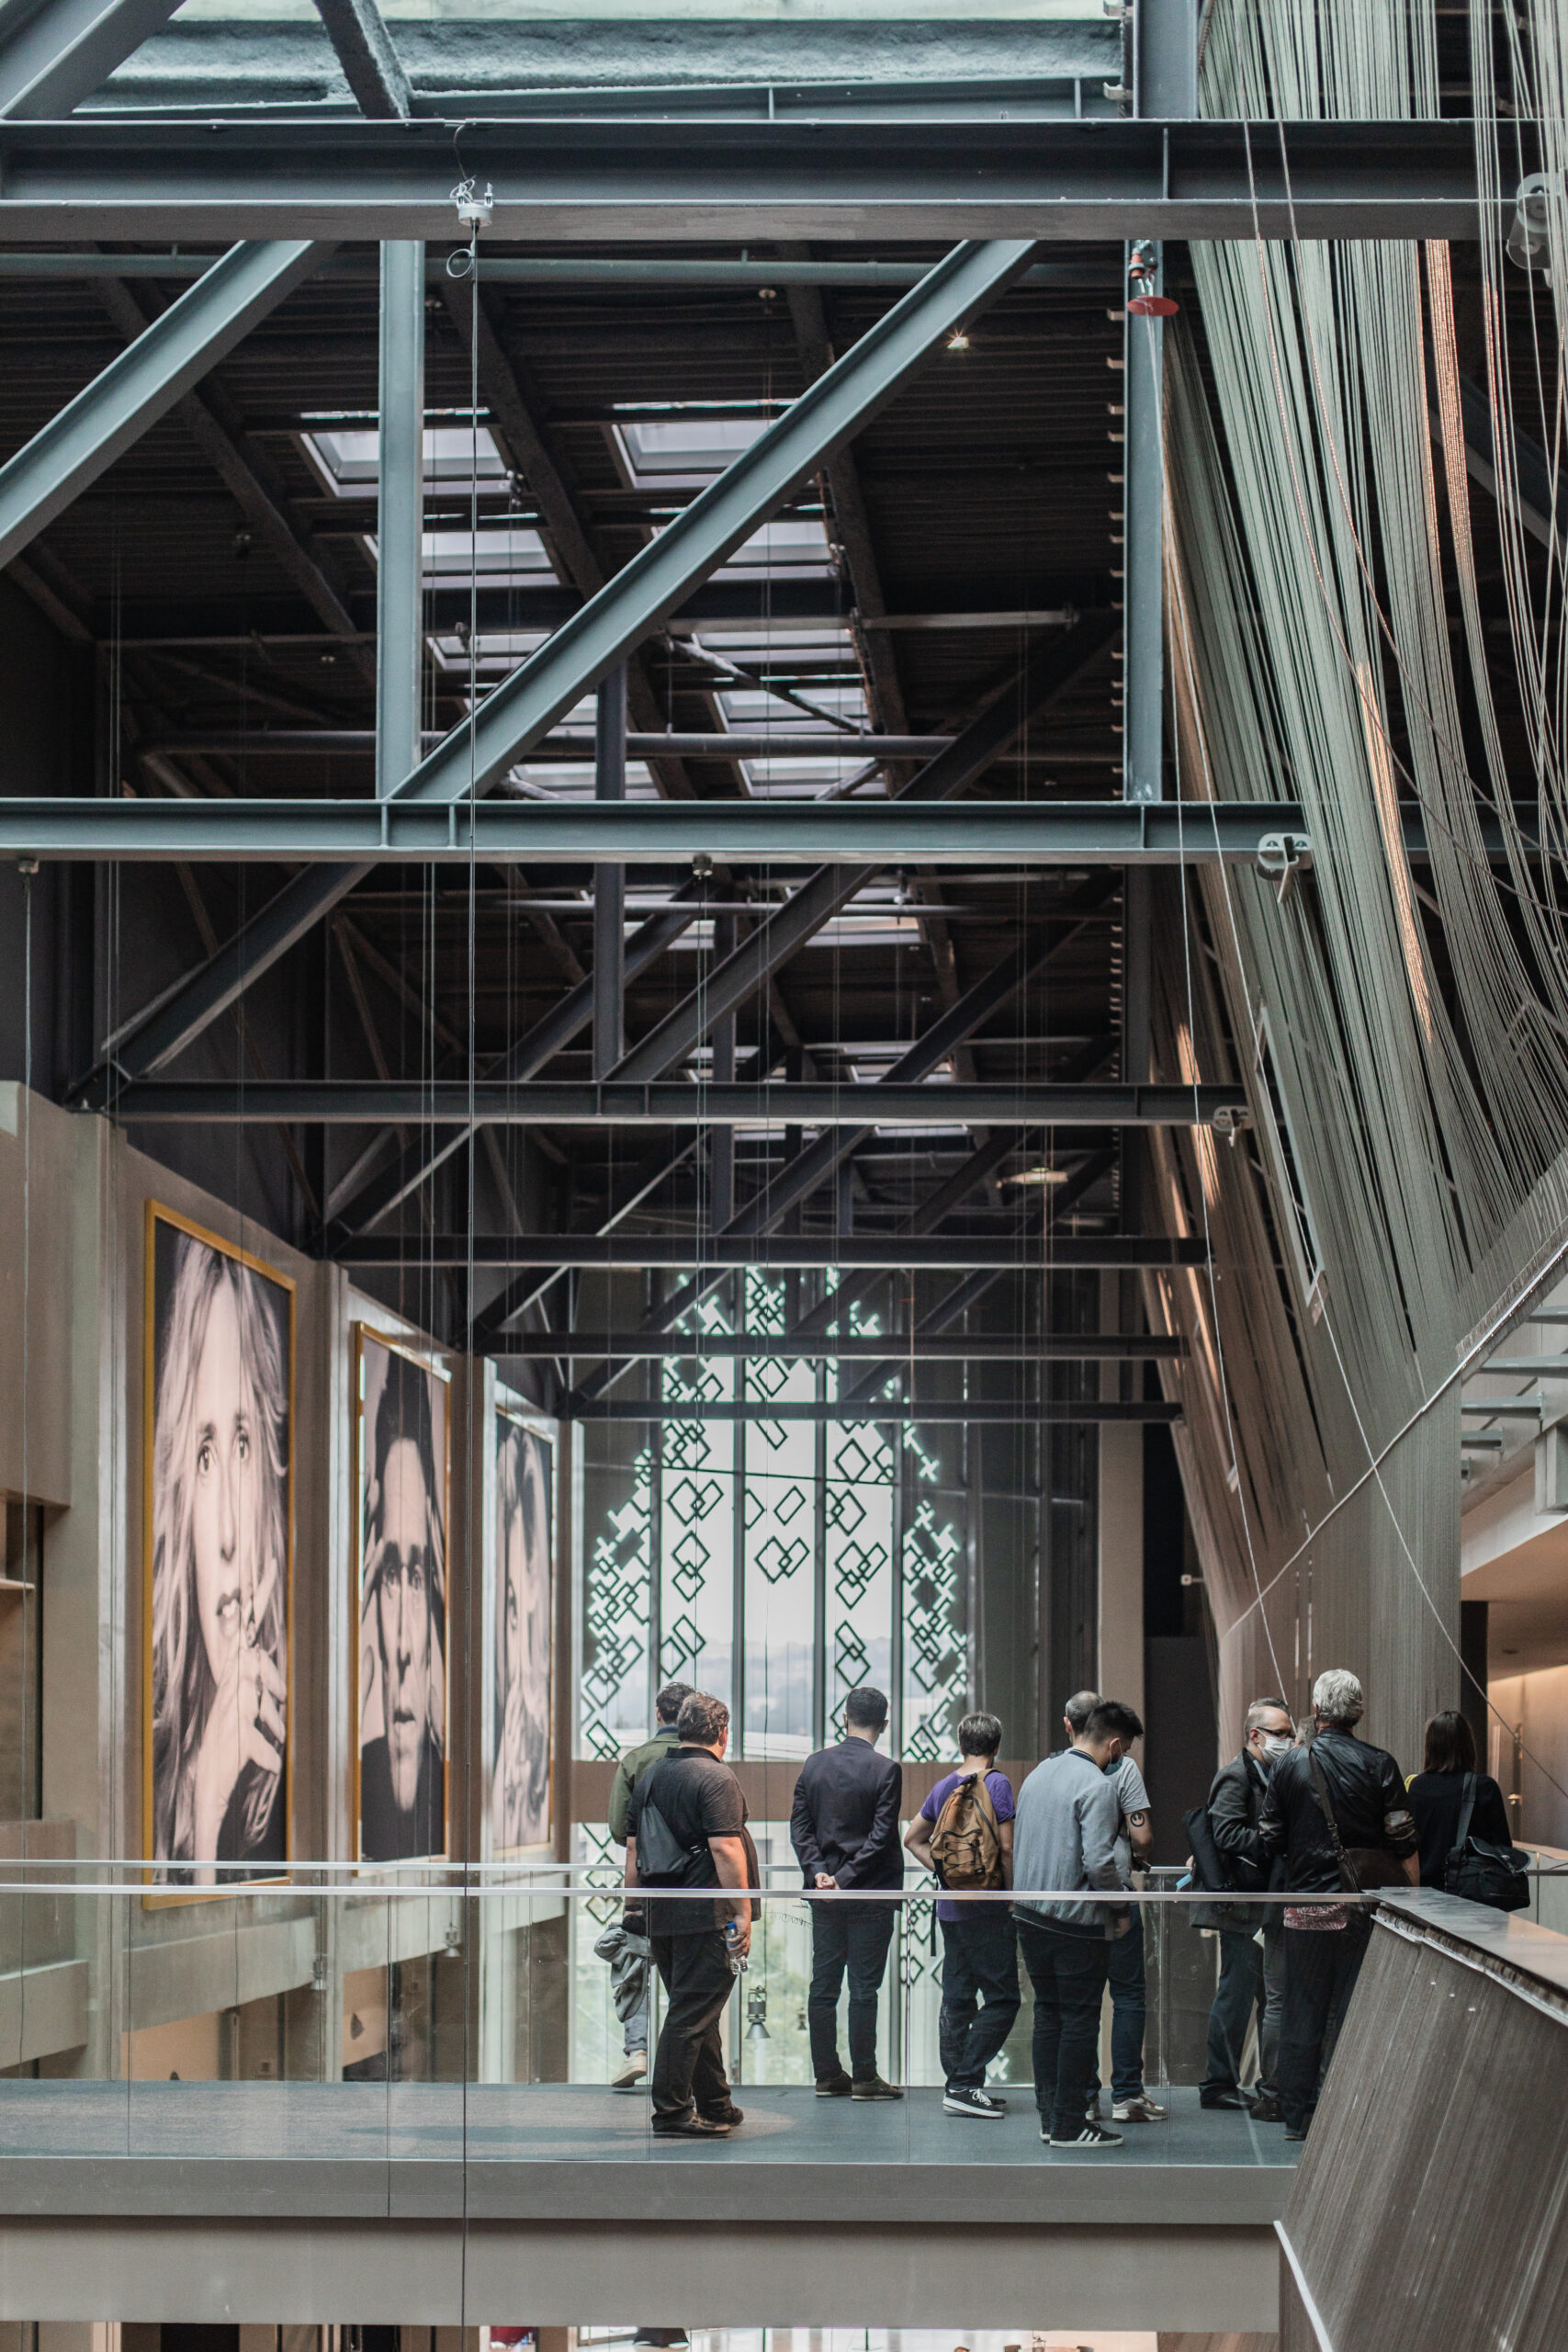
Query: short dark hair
point(1451, 1744)
point(667, 1706)
point(1079, 1708)
point(867, 1707)
point(980, 1735)
point(1110, 1719)
point(702, 1720)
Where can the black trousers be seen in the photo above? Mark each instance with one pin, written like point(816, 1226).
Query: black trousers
point(1321, 1969)
point(979, 1960)
point(845, 1938)
point(1068, 1974)
point(1238, 1993)
point(688, 2064)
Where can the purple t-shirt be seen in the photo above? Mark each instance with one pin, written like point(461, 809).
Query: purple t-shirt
point(999, 1788)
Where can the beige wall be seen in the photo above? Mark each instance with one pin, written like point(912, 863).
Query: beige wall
point(73, 1202)
point(1536, 1706)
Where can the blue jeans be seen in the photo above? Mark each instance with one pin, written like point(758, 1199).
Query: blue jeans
point(979, 1958)
point(1067, 1973)
point(1128, 2007)
point(1321, 1969)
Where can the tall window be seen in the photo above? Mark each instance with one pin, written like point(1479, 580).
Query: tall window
point(775, 1563)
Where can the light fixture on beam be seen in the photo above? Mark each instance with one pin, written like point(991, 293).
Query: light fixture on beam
point(1037, 1176)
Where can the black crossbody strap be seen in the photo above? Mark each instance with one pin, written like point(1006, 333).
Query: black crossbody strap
point(1320, 1782)
point(1467, 1806)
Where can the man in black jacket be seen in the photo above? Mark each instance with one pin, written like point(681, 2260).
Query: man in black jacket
point(1251, 1977)
point(844, 1829)
point(1324, 1944)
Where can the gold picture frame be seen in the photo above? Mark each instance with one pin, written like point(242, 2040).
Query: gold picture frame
point(438, 1378)
point(249, 1503)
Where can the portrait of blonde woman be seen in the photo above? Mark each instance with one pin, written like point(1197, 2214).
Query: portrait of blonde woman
point(520, 1787)
point(402, 1606)
point(220, 1347)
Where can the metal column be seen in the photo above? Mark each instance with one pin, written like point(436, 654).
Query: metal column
point(721, 1194)
point(399, 516)
point(610, 881)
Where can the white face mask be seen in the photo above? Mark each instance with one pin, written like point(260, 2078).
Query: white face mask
point(1277, 1744)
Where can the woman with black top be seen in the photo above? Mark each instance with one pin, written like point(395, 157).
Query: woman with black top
point(1437, 1797)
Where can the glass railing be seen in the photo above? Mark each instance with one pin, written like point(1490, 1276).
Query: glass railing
point(491, 2014)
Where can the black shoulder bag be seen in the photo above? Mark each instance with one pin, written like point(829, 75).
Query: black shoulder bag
point(1362, 1869)
point(1479, 1872)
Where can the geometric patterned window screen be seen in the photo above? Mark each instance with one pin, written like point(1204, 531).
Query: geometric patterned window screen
point(776, 1564)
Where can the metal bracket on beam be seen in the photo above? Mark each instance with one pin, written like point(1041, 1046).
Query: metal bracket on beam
point(1282, 859)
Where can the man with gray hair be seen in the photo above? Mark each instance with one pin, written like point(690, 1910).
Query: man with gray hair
point(1337, 1813)
point(1252, 1977)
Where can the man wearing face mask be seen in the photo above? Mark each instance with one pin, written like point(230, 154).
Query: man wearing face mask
point(1250, 1977)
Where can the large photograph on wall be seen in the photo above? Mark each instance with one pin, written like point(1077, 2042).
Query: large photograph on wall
point(402, 1487)
point(219, 1556)
point(520, 1698)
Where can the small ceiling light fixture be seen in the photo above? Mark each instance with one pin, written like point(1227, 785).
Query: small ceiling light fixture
point(1038, 1176)
point(958, 340)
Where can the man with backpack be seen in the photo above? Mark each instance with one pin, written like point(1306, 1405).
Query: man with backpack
point(963, 1833)
point(844, 1829)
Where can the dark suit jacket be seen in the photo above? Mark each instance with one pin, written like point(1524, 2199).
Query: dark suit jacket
point(845, 1817)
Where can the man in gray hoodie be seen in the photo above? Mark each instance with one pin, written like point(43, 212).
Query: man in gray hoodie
point(1068, 1816)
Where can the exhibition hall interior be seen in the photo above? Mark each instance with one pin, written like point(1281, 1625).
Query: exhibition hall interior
point(783, 1175)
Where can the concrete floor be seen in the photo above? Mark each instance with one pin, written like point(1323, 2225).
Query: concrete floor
point(560, 2123)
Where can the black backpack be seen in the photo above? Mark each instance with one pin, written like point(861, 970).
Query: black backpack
point(1482, 1872)
point(661, 1860)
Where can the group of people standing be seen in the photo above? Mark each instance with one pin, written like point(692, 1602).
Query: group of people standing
point(1281, 1817)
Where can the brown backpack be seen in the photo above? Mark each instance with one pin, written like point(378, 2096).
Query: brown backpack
point(966, 1843)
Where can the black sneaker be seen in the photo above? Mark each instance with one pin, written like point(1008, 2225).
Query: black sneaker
point(964, 2099)
point(1231, 2098)
point(1265, 2108)
point(836, 2086)
point(873, 2087)
point(1087, 2136)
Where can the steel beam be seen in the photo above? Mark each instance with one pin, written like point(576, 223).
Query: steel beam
point(883, 1102)
point(565, 745)
point(400, 515)
point(989, 1410)
point(369, 61)
point(608, 628)
point(671, 181)
point(346, 837)
point(1009, 1253)
point(1046, 676)
point(532, 1051)
point(144, 383)
point(610, 881)
point(54, 53)
point(791, 1347)
point(566, 270)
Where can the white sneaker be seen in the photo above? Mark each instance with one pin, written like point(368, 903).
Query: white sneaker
point(1087, 2136)
point(1142, 2109)
point(633, 2072)
point(966, 2101)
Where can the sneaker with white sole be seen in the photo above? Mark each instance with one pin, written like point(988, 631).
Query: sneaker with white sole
point(1142, 2109)
point(632, 2075)
point(964, 2100)
point(1087, 2137)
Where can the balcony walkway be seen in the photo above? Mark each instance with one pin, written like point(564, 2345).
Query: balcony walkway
point(311, 2199)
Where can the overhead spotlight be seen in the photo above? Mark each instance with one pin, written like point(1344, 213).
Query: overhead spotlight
point(1528, 245)
point(958, 340)
point(757, 2015)
point(1038, 1176)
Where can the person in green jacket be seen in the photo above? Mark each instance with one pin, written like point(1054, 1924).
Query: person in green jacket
point(628, 1772)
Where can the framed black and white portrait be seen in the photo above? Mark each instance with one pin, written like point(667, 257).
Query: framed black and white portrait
point(219, 1557)
point(520, 1693)
point(402, 1487)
